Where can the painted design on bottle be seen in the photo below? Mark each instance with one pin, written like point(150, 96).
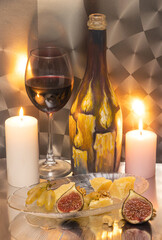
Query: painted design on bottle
point(95, 121)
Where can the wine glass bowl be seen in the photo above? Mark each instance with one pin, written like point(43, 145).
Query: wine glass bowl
point(49, 84)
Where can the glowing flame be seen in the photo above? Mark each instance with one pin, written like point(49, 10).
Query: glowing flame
point(21, 113)
point(138, 107)
point(140, 125)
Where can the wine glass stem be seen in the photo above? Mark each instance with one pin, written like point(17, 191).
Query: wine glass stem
point(50, 156)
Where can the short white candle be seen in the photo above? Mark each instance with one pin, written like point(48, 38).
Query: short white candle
point(140, 154)
point(22, 150)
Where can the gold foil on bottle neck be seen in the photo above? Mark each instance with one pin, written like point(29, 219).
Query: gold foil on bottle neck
point(97, 21)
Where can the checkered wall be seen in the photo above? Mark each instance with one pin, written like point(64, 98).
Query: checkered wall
point(134, 54)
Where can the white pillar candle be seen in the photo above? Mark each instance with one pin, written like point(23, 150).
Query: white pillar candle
point(140, 153)
point(22, 150)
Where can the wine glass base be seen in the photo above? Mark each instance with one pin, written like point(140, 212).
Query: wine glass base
point(59, 169)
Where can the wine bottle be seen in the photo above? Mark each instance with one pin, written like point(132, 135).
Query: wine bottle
point(95, 120)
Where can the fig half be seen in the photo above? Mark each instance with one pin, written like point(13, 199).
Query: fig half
point(136, 208)
point(70, 201)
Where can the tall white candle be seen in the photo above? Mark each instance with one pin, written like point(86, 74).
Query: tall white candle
point(140, 153)
point(22, 150)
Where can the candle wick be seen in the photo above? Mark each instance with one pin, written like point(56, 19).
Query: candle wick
point(141, 132)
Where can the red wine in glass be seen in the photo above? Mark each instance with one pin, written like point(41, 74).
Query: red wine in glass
point(49, 93)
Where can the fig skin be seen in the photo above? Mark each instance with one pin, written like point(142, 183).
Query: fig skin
point(71, 201)
point(136, 209)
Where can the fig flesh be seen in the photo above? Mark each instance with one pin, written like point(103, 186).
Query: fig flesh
point(70, 201)
point(136, 208)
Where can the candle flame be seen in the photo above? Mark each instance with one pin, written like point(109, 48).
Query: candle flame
point(138, 107)
point(21, 113)
point(140, 125)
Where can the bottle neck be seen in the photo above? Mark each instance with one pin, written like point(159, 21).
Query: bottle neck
point(97, 51)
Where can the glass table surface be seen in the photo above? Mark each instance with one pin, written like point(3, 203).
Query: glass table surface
point(15, 225)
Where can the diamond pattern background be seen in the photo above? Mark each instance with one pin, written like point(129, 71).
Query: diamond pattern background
point(134, 55)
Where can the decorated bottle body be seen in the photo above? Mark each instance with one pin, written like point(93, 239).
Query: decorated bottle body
point(95, 121)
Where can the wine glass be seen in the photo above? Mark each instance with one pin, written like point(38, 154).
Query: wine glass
point(49, 84)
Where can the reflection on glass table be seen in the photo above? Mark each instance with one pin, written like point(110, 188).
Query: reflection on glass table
point(101, 227)
point(24, 228)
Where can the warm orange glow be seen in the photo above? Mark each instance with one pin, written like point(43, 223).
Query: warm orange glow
point(21, 112)
point(119, 122)
point(29, 70)
point(98, 236)
point(29, 67)
point(110, 234)
point(39, 99)
point(21, 64)
point(140, 125)
point(104, 235)
point(17, 70)
point(116, 230)
point(113, 235)
point(138, 107)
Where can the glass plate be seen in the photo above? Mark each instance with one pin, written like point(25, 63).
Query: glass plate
point(18, 198)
